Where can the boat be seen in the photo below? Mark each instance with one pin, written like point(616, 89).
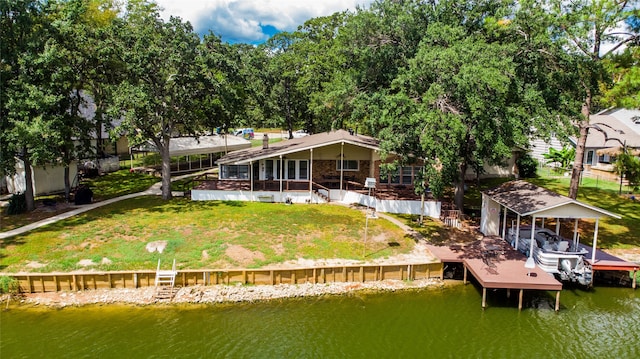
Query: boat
point(555, 254)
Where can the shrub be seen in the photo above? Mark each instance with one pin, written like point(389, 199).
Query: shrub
point(9, 285)
point(17, 204)
point(152, 159)
point(527, 166)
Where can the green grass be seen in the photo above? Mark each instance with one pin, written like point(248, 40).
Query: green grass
point(202, 235)
point(120, 183)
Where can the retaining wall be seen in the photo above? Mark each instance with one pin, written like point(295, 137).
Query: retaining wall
point(54, 282)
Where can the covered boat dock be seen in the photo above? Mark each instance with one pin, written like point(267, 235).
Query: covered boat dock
point(528, 200)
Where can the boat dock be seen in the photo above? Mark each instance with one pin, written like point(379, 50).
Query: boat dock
point(605, 262)
point(496, 265)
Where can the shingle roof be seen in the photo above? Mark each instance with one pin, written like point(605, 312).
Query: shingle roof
point(614, 127)
point(527, 199)
point(299, 144)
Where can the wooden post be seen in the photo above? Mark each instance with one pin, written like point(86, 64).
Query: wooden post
point(75, 282)
point(557, 301)
point(508, 293)
point(520, 299)
point(109, 279)
point(464, 279)
point(135, 280)
point(30, 281)
point(633, 285)
point(42, 283)
point(362, 274)
point(484, 297)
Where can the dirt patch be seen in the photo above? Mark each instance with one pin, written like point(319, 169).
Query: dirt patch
point(243, 256)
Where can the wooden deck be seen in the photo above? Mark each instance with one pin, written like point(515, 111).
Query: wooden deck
point(606, 262)
point(496, 265)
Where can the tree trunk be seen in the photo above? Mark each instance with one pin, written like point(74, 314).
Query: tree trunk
point(166, 170)
point(28, 183)
point(580, 146)
point(459, 190)
point(67, 184)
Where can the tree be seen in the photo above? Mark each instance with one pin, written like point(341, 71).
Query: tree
point(160, 96)
point(584, 28)
point(32, 105)
point(628, 166)
point(563, 157)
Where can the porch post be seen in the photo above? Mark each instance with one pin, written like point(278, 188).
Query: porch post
point(281, 174)
point(341, 167)
point(251, 178)
point(558, 226)
point(310, 173)
point(517, 231)
point(595, 241)
point(575, 236)
point(533, 229)
point(504, 224)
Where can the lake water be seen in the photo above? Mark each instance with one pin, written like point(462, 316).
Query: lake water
point(434, 323)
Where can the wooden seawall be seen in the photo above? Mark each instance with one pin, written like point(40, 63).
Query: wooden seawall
point(75, 281)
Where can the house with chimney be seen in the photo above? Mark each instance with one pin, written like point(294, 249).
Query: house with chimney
point(335, 166)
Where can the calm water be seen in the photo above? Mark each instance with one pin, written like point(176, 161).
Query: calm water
point(434, 323)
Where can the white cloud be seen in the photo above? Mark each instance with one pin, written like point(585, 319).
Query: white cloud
point(243, 20)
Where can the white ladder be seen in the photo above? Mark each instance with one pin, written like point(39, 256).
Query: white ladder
point(166, 276)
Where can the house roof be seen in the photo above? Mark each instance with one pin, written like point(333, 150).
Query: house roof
point(183, 146)
point(299, 144)
point(527, 199)
point(616, 123)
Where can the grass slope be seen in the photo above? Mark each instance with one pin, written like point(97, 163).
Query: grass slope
point(202, 235)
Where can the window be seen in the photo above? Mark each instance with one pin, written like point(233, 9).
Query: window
point(272, 170)
point(304, 170)
point(297, 169)
point(235, 172)
point(590, 157)
point(349, 165)
point(407, 175)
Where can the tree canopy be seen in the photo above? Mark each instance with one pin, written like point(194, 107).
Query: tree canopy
point(453, 85)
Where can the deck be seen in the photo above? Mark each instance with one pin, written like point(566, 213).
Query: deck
point(496, 265)
point(606, 262)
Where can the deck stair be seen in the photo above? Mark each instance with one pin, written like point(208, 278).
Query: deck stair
point(165, 282)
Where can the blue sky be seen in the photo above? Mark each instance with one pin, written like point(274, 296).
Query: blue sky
point(252, 21)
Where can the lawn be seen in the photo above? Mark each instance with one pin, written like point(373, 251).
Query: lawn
point(202, 235)
point(104, 187)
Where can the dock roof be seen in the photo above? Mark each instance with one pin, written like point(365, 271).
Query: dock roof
point(527, 199)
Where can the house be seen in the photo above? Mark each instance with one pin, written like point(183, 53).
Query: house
point(611, 129)
point(48, 179)
point(325, 167)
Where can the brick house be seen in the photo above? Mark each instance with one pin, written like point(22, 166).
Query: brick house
point(324, 167)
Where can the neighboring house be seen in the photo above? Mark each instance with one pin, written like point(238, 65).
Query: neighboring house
point(119, 146)
point(540, 147)
point(49, 179)
point(200, 152)
point(328, 166)
point(615, 127)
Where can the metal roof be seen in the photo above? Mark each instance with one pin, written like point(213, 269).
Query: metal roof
point(299, 144)
point(183, 146)
point(527, 199)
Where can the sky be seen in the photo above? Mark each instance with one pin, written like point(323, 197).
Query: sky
point(252, 21)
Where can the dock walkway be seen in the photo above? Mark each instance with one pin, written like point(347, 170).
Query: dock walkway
point(496, 265)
